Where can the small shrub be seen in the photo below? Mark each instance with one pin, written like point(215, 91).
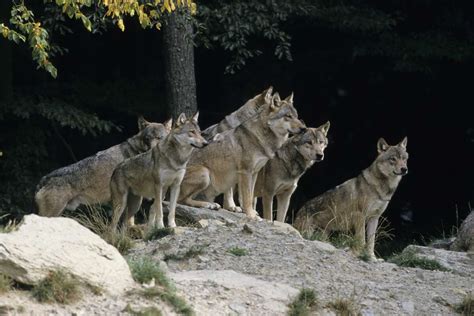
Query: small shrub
point(6, 283)
point(304, 304)
point(149, 311)
point(158, 233)
point(57, 287)
point(190, 253)
point(144, 270)
point(411, 260)
point(95, 218)
point(237, 251)
point(466, 307)
point(9, 227)
point(345, 307)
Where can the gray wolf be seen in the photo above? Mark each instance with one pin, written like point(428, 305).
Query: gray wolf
point(88, 181)
point(238, 156)
point(150, 174)
point(280, 175)
point(356, 205)
point(245, 112)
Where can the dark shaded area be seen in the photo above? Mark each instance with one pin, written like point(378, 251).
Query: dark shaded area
point(120, 75)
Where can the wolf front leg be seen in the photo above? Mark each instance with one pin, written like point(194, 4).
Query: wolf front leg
point(283, 200)
point(246, 193)
point(359, 228)
point(371, 230)
point(156, 210)
point(174, 193)
point(119, 202)
point(267, 201)
point(229, 203)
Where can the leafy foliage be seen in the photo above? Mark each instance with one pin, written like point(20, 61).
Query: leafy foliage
point(23, 25)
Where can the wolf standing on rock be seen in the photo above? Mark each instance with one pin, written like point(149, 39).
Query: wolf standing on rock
point(151, 174)
point(239, 155)
point(358, 203)
point(280, 175)
point(88, 181)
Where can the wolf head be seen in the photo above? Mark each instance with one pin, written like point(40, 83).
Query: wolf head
point(392, 160)
point(152, 133)
point(312, 143)
point(282, 117)
point(186, 131)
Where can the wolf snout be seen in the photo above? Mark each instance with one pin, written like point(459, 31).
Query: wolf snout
point(404, 170)
point(319, 157)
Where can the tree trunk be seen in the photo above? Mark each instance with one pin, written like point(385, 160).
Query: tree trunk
point(179, 63)
point(6, 86)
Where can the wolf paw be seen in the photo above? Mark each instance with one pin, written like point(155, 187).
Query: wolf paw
point(253, 215)
point(171, 224)
point(236, 209)
point(212, 206)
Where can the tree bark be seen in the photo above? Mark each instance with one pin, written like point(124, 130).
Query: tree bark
point(178, 56)
point(6, 86)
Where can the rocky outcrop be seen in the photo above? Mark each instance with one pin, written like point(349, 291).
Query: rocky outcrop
point(465, 239)
point(42, 244)
point(457, 262)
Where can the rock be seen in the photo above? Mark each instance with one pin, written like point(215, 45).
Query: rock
point(43, 244)
point(286, 228)
point(408, 307)
point(465, 238)
point(457, 262)
point(323, 246)
point(196, 214)
point(241, 293)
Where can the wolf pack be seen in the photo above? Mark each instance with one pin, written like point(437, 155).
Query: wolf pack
point(259, 151)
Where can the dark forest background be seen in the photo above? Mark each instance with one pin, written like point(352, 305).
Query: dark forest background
point(373, 68)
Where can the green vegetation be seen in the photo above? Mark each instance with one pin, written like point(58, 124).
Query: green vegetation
point(304, 304)
point(345, 307)
point(149, 311)
point(95, 218)
point(6, 283)
point(158, 233)
point(145, 270)
point(190, 253)
point(57, 287)
point(466, 307)
point(410, 259)
point(237, 251)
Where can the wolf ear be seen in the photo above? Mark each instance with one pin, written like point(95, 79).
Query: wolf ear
point(289, 98)
point(195, 117)
point(325, 128)
point(267, 95)
point(382, 145)
point(275, 104)
point(403, 143)
point(168, 124)
point(181, 120)
point(142, 123)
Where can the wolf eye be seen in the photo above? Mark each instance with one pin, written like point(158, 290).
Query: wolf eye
point(288, 116)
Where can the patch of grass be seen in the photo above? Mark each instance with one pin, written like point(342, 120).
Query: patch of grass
point(237, 251)
point(10, 226)
point(6, 283)
point(190, 253)
point(345, 307)
point(304, 304)
point(158, 233)
point(364, 256)
point(466, 307)
point(410, 259)
point(178, 303)
point(149, 311)
point(144, 270)
point(95, 218)
point(57, 287)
